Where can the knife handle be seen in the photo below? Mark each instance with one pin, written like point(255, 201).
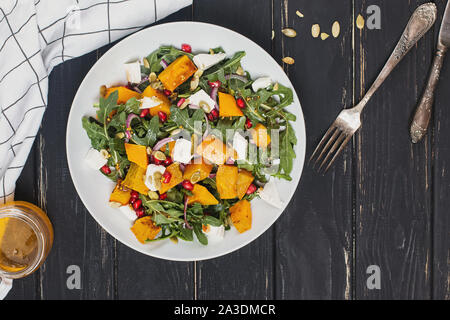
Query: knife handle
point(421, 120)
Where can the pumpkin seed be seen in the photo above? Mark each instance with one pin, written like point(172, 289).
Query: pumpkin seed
point(104, 154)
point(149, 150)
point(152, 77)
point(273, 35)
point(205, 106)
point(198, 73)
point(288, 60)
point(211, 51)
point(324, 36)
point(360, 22)
point(240, 71)
point(194, 83)
point(157, 180)
point(114, 204)
point(153, 195)
point(174, 239)
point(103, 90)
point(298, 13)
point(276, 86)
point(146, 64)
point(288, 32)
point(315, 30)
point(120, 135)
point(159, 155)
point(195, 177)
point(336, 29)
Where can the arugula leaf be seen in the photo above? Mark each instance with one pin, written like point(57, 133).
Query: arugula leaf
point(168, 53)
point(107, 106)
point(186, 234)
point(132, 106)
point(227, 66)
point(182, 118)
point(212, 221)
point(287, 153)
point(95, 132)
point(151, 135)
point(200, 235)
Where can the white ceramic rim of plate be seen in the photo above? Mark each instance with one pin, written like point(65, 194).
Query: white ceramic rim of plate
point(300, 148)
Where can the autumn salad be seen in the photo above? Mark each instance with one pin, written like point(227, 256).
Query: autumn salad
point(190, 140)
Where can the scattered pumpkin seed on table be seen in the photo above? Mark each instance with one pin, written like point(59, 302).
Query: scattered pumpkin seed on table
point(288, 60)
point(288, 32)
point(324, 36)
point(336, 29)
point(298, 13)
point(360, 22)
point(315, 30)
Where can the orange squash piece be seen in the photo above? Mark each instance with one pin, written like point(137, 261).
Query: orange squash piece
point(164, 106)
point(137, 154)
point(228, 106)
point(241, 215)
point(202, 170)
point(226, 180)
point(202, 196)
point(177, 72)
point(135, 179)
point(260, 136)
point(125, 94)
point(145, 229)
point(120, 196)
point(177, 177)
point(214, 150)
point(244, 180)
point(171, 146)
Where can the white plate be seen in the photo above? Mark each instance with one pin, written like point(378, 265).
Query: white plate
point(94, 189)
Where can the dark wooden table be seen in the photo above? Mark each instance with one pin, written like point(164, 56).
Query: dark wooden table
point(384, 203)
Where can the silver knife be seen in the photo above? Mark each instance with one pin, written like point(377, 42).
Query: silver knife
point(421, 120)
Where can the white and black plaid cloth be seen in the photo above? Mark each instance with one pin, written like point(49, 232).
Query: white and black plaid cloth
point(35, 36)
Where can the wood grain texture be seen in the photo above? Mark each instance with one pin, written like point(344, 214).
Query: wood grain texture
point(313, 237)
point(248, 272)
point(441, 183)
point(393, 177)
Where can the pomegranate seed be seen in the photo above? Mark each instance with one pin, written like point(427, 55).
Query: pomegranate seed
point(162, 116)
point(144, 113)
point(155, 161)
point(180, 102)
point(241, 103)
point(134, 194)
point(167, 176)
point(251, 189)
point(214, 113)
point(167, 92)
point(105, 169)
point(132, 200)
point(137, 204)
point(248, 123)
point(210, 117)
point(215, 84)
point(186, 48)
point(168, 161)
point(187, 185)
point(140, 212)
point(163, 196)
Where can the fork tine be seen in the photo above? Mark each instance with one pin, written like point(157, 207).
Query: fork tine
point(338, 152)
point(333, 149)
point(322, 142)
point(328, 145)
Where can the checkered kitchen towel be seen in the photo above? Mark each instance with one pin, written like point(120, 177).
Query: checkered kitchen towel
point(35, 36)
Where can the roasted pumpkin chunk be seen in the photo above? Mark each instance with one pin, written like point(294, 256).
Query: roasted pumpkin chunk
point(177, 72)
point(260, 136)
point(135, 179)
point(202, 196)
point(197, 172)
point(176, 178)
point(244, 180)
point(241, 215)
point(137, 154)
point(119, 195)
point(228, 106)
point(214, 150)
point(145, 229)
point(226, 180)
point(125, 94)
point(165, 103)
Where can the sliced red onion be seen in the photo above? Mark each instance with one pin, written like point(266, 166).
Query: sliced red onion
point(236, 76)
point(230, 160)
point(137, 89)
point(161, 143)
point(130, 117)
point(163, 63)
point(213, 96)
point(182, 167)
point(180, 102)
point(212, 175)
point(185, 209)
point(207, 126)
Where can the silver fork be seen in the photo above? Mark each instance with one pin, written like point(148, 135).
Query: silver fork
point(349, 120)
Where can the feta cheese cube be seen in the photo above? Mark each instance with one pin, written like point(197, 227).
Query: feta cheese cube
point(129, 213)
point(149, 102)
point(151, 169)
point(182, 151)
point(94, 159)
point(240, 145)
point(261, 83)
point(270, 194)
point(203, 100)
point(133, 71)
point(205, 61)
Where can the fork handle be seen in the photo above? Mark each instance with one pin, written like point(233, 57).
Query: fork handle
point(419, 125)
point(420, 22)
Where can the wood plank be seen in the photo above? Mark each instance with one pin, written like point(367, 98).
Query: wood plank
point(142, 277)
point(441, 186)
point(248, 272)
point(314, 235)
point(393, 177)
